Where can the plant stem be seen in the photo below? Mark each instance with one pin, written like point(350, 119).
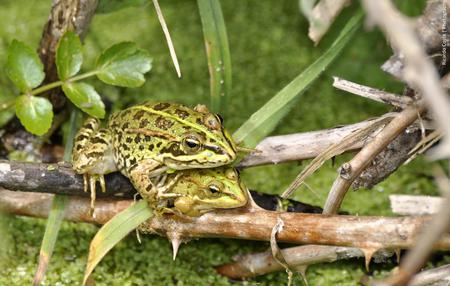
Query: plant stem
point(46, 87)
point(83, 76)
point(55, 84)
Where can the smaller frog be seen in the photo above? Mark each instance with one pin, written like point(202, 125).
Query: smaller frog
point(194, 192)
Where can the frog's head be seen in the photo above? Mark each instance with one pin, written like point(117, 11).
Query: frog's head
point(201, 142)
point(202, 191)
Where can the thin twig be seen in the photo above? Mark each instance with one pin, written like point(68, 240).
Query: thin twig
point(173, 54)
point(419, 70)
point(244, 223)
point(349, 171)
point(372, 93)
point(255, 264)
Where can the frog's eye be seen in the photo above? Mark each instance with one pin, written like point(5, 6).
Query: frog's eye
point(191, 143)
point(215, 187)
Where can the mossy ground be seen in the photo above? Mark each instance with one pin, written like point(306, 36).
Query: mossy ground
point(269, 47)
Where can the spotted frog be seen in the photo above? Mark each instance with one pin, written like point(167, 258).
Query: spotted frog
point(149, 140)
point(197, 191)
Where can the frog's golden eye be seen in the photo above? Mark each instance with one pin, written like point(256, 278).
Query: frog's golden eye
point(215, 187)
point(191, 143)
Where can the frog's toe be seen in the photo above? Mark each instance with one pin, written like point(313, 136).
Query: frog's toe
point(90, 181)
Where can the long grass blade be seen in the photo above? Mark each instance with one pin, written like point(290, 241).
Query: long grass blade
point(217, 51)
point(57, 211)
point(264, 120)
point(114, 231)
point(172, 52)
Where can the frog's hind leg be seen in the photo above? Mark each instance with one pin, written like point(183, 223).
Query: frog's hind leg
point(92, 155)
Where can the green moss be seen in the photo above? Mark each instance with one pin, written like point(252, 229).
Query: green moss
point(269, 47)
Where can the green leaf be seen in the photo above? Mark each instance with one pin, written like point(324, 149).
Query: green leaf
point(218, 52)
point(24, 67)
point(263, 121)
point(35, 113)
point(124, 65)
point(85, 98)
point(114, 231)
point(69, 56)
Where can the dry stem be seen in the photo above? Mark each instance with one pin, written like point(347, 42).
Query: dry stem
point(261, 263)
point(351, 170)
point(372, 93)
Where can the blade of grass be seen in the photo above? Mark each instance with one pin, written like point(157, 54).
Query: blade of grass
point(217, 51)
point(57, 211)
point(264, 120)
point(114, 231)
point(173, 54)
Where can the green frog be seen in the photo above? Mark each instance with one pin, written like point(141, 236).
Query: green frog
point(149, 140)
point(197, 191)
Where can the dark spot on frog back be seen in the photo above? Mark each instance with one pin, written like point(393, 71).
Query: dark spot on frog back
point(144, 123)
point(161, 106)
point(138, 115)
point(163, 123)
point(125, 125)
point(181, 113)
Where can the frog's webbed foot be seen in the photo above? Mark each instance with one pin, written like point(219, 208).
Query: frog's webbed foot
point(90, 181)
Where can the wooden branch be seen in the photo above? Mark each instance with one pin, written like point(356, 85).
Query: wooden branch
point(351, 170)
point(249, 222)
point(56, 179)
point(301, 146)
point(251, 265)
point(77, 209)
point(65, 15)
point(389, 159)
point(436, 276)
point(414, 205)
point(372, 93)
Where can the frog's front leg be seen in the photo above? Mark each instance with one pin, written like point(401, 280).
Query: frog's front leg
point(141, 174)
point(165, 184)
point(152, 183)
point(92, 155)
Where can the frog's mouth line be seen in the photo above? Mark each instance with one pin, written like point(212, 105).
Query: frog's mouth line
point(191, 164)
